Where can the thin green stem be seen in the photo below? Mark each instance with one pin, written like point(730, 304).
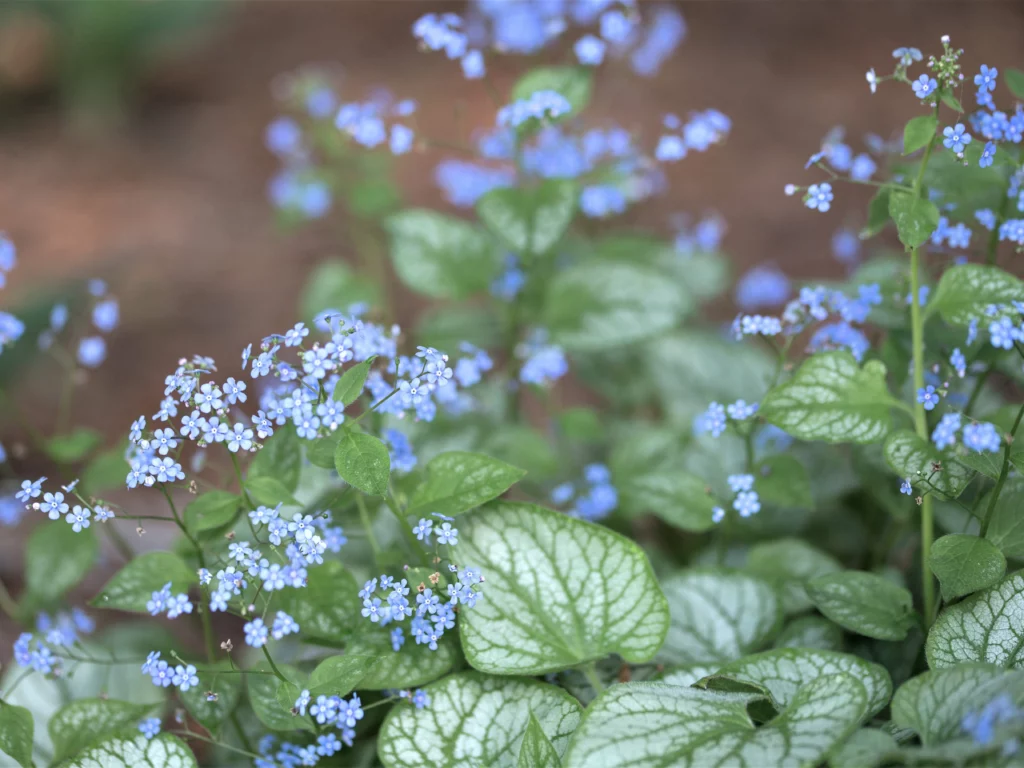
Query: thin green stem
point(204, 611)
point(273, 666)
point(979, 384)
point(403, 524)
point(590, 670)
point(122, 546)
point(7, 694)
point(1003, 472)
point(241, 482)
point(364, 517)
point(194, 735)
point(920, 420)
point(993, 238)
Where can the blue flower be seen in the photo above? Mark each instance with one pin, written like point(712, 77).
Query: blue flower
point(8, 254)
point(907, 56)
point(78, 518)
point(959, 362)
point(819, 197)
point(986, 160)
point(905, 487)
point(590, 50)
point(53, 505)
point(747, 503)
point(544, 363)
point(924, 86)
point(105, 315)
point(712, 421)
point(863, 167)
point(598, 201)
point(1003, 334)
point(397, 639)
point(982, 437)
point(928, 397)
point(92, 351)
point(739, 483)
point(30, 489)
point(423, 530)
point(447, 535)
point(283, 625)
point(473, 67)
point(540, 105)
point(717, 514)
point(150, 727)
point(420, 698)
point(256, 633)
point(986, 79)
point(185, 677)
point(401, 140)
point(956, 138)
point(761, 287)
point(944, 434)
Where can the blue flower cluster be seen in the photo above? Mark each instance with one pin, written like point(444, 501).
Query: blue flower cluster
point(815, 304)
point(527, 26)
point(594, 502)
point(184, 677)
point(11, 328)
point(54, 505)
point(163, 601)
point(980, 437)
point(290, 755)
point(704, 237)
point(543, 363)
point(981, 725)
point(150, 727)
point(432, 615)
point(698, 134)
point(34, 650)
point(746, 500)
point(717, 417)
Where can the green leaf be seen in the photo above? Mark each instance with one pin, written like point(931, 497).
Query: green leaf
point(133, 586)
point(88, 721)
point(458, 482)
point(333, 285)
point(16, 731)
point(1014, 80)
point(677, 497)
point(162, 751)
point(475, 720)
point(864, 603)
point(441, 256)
point(810, 632)
point(641, 725)
point(415, 665)
point(950, 100)
point(934, 703)
point(782, 480)
point(339, 675)
point(105, 471)
point(789, 564)
point(1006, 527)
point(529, 220)
point(598, 306)
point(784, 671)
point(265, 703)
point(524, 447)
point(865, 748)
point(988, 626)
point(74, 446)
point(350, 386)
point(447, 326)
point(964, 564)
point(211, 510)
point(363, 462)
point(590, 592)
point(915, 218)
point(574, 83)
point(269, 491)
point(280, 458)
point(878, 214)
point(831, 398)
point(537, 751)
point(57, 559)
point(918, 132)
point(227, 687)
point(913, 457)
point(328, 608)
point(965, 291)
point(718, 616)
point(320, 452)
point(988, 464)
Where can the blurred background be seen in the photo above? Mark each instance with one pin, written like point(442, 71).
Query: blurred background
point(132, 149)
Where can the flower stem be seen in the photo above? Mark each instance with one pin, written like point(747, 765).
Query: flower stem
point(1003, 472)
point(364, 517)
point(920, 420)
point(590, 670)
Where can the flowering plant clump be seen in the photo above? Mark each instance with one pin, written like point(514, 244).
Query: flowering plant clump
point(789, 539)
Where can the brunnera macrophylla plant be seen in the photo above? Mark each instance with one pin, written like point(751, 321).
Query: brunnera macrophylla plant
point(386, 552)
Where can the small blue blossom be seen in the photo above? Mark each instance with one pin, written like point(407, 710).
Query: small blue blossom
point(92, 351)
point(423, 530)
point(986, 160)
point(956, 138)
point(739, 483)
point(747, 503)
point(256, 633)
point(447, 535)
point(907, 56)
point(53, 505)
point(982, 437)
point(959, 362)
point(924, 86)
point(473, 66)
point(397, 639)
point(740, 410)
point(711, 421)
point(30, 489)
point(944, 434)
point(986, 79)
point(1003, 334)
point(283, 625)
point(420, 698)
point(717, 514)
point(150, 727)
point(928, 397)
point(590, 50)
point(185, 677)
point(105, 315)
point(819, 197)
point(78, 518)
